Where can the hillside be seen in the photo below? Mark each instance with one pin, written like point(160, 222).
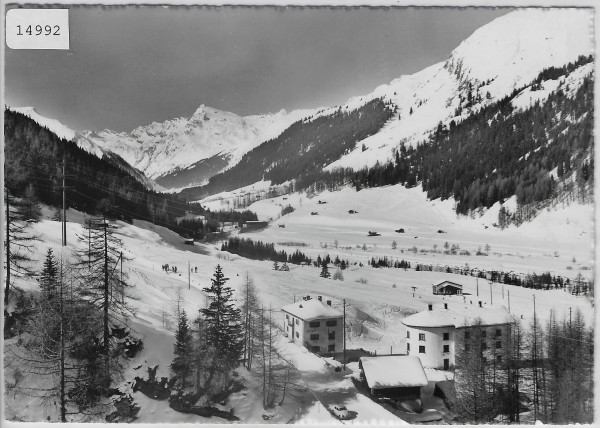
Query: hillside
point(452, 119)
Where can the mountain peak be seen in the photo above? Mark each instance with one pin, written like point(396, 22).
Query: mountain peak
point(520, 44)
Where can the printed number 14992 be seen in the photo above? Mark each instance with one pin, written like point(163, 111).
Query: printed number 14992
point(38, 30)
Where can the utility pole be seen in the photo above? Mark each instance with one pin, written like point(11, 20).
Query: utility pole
point(508, 291)
point(535, 380)
point(122, 286)
point(63, 410)
point(344, 324)
point(7, 249)
point(491, 295)
point(64, 198)
point(477, 283)
point(189, 280)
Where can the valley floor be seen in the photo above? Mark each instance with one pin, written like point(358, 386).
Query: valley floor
point(376, 299)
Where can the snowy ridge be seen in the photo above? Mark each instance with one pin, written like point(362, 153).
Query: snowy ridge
point(57, 127)
point(499, 57)
point(161, 148)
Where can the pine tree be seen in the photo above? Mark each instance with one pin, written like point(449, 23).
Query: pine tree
point(103, 285)
point(18, 242)
point(324, 271)
point(182, 363)
point(223, 322)
point(49, 275)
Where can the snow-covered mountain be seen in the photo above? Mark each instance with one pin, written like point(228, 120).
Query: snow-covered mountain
point(504, 55)
point(496, 59)
point(187, 151)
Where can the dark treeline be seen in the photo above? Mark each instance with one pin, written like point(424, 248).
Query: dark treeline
point(493, 154)
point(258, 250)
point(499, 152)
point(306, 146)
point(262, 251)
point(386, 262)
point(33, 168)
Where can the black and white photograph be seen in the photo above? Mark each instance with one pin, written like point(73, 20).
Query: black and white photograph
point(298, 214)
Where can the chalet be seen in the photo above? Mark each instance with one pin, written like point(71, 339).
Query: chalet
point(447, 287)
point(435, 335)
point(315, 325)
point(396, 377)
point(189, 241)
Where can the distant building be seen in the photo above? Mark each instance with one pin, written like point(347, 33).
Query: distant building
point(393, 376)
point(447, 287)
point(189, 241)
point(315, 325)
point(254, 225)
point(436, 334)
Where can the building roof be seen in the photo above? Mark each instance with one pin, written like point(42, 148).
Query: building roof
point(311, 309)
point(394, 371)
point(454, 284)
point(458, 315)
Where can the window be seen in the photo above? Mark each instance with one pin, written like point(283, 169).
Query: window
point(314, 337)
point(331, 348)
point(446, 348)
point(287, 317)
point(314, 324)
point(315, 349)
point(467, 334)
point(407, 334)
point(331, 335)
point(297, 321)
point(421, 349)
point(408, 347)
point(499, 358)
point(297, 335)
point(498, 332)
point(483, 333)
point(467, 347)
point(446, 336)
point(498, 344)
point(484, 345)
point(421, 336)
point(331, 323)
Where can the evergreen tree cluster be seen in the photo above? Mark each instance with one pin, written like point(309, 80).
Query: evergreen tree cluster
point(262, 251)
point(303, 148)
point(386, 262)
point(498, 152)
point(33, 165)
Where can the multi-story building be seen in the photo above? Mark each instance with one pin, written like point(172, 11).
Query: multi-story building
point(315, 325)
point(435, 335)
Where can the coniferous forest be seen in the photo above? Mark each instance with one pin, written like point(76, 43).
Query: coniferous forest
point(34, 164)
point(491, 155)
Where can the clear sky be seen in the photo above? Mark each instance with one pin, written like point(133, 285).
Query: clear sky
point(129, 66)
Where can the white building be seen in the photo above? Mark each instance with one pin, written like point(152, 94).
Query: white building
point(435, 335)
point(315, 325)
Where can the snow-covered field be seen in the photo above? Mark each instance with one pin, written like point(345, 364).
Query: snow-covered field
point(376, 299)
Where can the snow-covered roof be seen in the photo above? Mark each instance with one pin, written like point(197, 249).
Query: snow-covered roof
point(311, 309)
point(393, 371)
point(437, 284)
point(458, 315)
